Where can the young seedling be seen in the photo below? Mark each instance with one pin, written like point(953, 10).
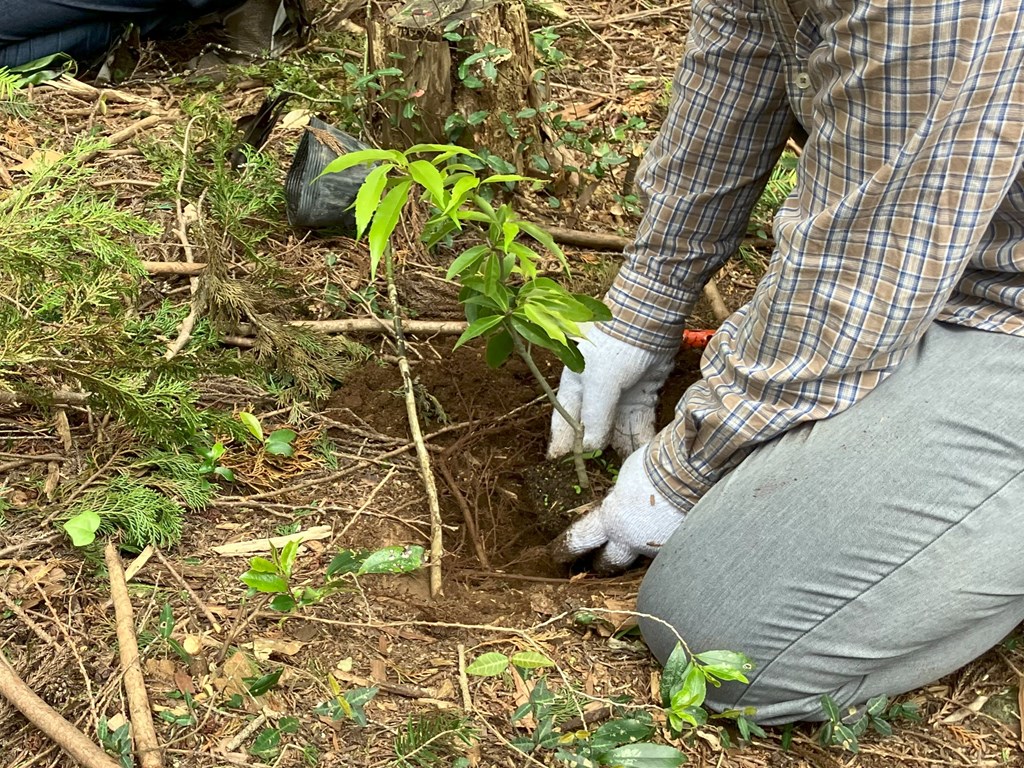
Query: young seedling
point(277, 443)
point(506, 299)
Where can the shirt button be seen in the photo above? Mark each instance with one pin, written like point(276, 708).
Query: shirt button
point(803, 81)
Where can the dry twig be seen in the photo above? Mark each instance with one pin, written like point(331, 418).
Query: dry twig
point(49, 721)
point(146, 745)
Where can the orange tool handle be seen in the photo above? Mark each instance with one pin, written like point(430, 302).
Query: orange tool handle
point(697, 339)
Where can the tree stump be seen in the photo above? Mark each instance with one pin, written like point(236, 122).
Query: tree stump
point(467, 69)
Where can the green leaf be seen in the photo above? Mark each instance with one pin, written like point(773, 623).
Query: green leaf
point(876, 706)
point(265, 582)
point(82, 528)
point(882, 727)
point(499, 349)
point(460, 192)
point(845, 737)
point(644, 756)
point(693, 690)
point(674, 673)
point(478, 328)
point(428, 177)
point(570, 356)
point(369, 196)
point(283, 604)
point(260, 685)
point(346, 561)
point(166, 623)
point(726, 665)
point(531, 660)
point(488, 665)
point(599, 311)
point(355, 700)
point(277, 448)
point(442, 148)
point(505, 178)
point(287, 555)
point(467, 260)
point(628, 730)
point(225, 472)
point(388, 214)
point(544, 237)
point(545, 321)
point(282, 436)
point(364, 157)
point(263, 565)
point(394, 559)
point(251, 423)
point(830, 708)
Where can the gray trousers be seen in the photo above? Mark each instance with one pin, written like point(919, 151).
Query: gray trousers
point(870, 553)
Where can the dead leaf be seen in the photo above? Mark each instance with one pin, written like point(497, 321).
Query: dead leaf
point(39, 158)
point(160, 669)
point(183, 681)
point(235, 670)
point(378, 670)
point(257, 546)
point(264, 647)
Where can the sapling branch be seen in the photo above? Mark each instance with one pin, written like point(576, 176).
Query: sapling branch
point(577, 428)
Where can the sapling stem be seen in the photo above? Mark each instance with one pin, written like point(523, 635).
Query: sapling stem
point(577, 428)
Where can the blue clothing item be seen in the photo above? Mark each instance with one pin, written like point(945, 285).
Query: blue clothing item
point(85, 29)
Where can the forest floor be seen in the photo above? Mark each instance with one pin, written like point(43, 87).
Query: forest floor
point(232, 681)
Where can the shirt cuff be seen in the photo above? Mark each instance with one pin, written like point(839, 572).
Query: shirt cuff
point(676, 481)
point(646, 312)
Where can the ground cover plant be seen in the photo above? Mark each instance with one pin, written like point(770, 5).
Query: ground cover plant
point(229, 401)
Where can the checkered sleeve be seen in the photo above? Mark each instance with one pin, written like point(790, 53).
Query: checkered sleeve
point(918, 126)
point(727, 124)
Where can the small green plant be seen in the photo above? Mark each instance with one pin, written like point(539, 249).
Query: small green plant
point(273, 576)
point(267, 746)
point(685, 680)
point(846, 730)
point(140, 515)
point(433, 739)
point(117, 743)
point(506, 299)
point(277, 443)
point(347, 705)
point(210, 465)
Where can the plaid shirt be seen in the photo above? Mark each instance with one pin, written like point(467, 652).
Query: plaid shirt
point(909, 208)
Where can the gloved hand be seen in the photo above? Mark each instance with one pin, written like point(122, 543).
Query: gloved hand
point(614, 397)
point(634, 519)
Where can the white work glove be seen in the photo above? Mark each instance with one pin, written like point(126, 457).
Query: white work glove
point(614, 397)
point(634, 519)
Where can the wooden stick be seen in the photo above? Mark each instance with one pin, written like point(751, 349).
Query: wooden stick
point(123, 135)
point(174, 267)
point(714, 297)
point(436, 543)
point(146, 745)
point(60, 397)
point(44, 717)
point(188, 588)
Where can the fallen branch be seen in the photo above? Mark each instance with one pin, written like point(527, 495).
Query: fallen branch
point(359, 325)
point(173, 267)
point(126, 133)
point(606, 241)
point(436, 544)
point(188, 589)
point(146, 745)
point(60, 397)
point(44, 717)
point(188, 324)
point(714, 297)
